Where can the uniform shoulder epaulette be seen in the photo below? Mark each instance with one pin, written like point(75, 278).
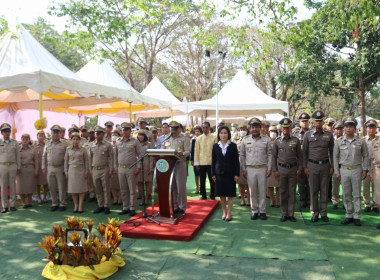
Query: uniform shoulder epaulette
point(245, 136)
point(377, 136)
point(69, 147)
point(362, 137)
point(339, 138)
point(266, 136)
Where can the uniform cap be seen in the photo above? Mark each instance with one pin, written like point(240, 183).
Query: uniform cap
point(174, 124)
point(91, 130)
point(371, 122)
point(25, 135)
point(74, 134)
point(330, 121)
point(242, 126)
point(273, 128)
point(56, 128)
point(74, 128)
point(141, 131)
point(116, 130)
point(84, 128)
point(98, 129)
point(126, 125)
point(286, 122)
point(153, 129)
point(40, 131)
point(5, 126)
point(350, 121)
point(265, 123)
point(222, 122)
point(254, 121)
point(141, 120)
point(338, 124)
point(109, 123)
point(318, 115)
point(62, 128)
point(304, 117)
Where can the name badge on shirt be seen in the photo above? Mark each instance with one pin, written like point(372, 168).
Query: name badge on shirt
point(249, 149)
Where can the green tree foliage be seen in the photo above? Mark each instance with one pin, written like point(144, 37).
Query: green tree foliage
point(69, 54)
point(3, 26)
point(338, 51)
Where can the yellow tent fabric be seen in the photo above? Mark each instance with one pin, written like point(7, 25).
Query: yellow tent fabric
point(100, 271)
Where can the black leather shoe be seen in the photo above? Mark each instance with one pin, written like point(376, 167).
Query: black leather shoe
point(62, 208)
point(203, 198)
point(106, 210)
point(303, 205)
point(314, 219)
point(180, 211)
point(376, 209)
point(357, 222)
point(212, 197)
point(5, 210)
point(54, 208)
point(347, 221)
point(92, 199)
point(13, 209)
point(325, 219)
point(284, 219)
point(368, 209)
point(98, 210)
point(378, 226)
point(132, 213)
point(292, 219)
point(254, 216)
point(263, 216)
point(123, 212)
point(334, 206)
point(175, 211)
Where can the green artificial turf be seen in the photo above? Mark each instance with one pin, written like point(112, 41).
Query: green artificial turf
point(240, 249)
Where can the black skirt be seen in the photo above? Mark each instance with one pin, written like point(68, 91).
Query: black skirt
point(225, 185)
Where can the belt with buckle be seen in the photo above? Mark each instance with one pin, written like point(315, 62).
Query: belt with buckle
point(26, 165)
point(124, 165)
point(257, 166)
point(288, 165)
point(76, 165)
point(351, 167)
point(7, 163)
point(99, 167)
point(56, 166)
point(320, 162)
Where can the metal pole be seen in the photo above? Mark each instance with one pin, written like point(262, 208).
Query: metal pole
point(217, 92)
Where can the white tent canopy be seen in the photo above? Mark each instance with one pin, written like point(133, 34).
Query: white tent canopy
point(238, 98)
point(156, 89)
point(27, 70)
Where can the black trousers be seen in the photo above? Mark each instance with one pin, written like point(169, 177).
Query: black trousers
point(203, 170)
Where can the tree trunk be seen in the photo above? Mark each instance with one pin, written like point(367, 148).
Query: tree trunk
point(362, 103)
point(273, 82)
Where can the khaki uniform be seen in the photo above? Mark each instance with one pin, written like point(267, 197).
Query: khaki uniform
point(26, 180)
point(375, 170)
point(179, 143)
point(303, 183)
point(41, 179)
point(115, 185)
point(367, 182)
point(107, 138)
point(76, 165)
point(256, 159)
point(53, 161)
point(147, 132)
point(148, 163)
point(9, 164)
point(127, 151)
point(242, 180)
point(318, 148)
point(90, 182)
point(287, 159)
point(350, 159)
point(101, 163)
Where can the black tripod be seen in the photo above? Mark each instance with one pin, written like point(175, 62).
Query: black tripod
point(145, 215)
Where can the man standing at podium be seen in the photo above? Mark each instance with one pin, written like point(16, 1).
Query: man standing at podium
point(182, 145)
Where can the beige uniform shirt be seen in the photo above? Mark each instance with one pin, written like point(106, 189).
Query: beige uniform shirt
point(318, 146)
point(101, 154)
point(375, 157)
point(255, 152)
point(203, 149)
point(76, 157)
point(54, 154)
point(180, 143)
point(9, 153)
point(40, 151)
point(287, 151)
point(350, 154)
point(29, 157)
point(127, 151)
point(239, 141)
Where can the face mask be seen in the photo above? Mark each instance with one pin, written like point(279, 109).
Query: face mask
point(242, 133)
point(272, 135)
point(114, 138)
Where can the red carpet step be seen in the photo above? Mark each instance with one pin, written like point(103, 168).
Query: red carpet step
point(197, 213)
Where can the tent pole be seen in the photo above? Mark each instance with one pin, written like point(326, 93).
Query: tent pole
point(217, 92)
point(40, 106)
point(171, 113)
point(130, 112)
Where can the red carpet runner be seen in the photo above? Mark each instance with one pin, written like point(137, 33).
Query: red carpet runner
point(197, 213)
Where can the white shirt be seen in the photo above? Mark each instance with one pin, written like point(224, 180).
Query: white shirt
point(224, 149)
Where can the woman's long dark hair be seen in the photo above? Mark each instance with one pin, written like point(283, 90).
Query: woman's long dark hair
point(226, 128)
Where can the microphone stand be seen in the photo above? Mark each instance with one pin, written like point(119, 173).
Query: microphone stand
point(145, 215)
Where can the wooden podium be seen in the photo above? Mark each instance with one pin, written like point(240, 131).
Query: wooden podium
point(165, 160)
